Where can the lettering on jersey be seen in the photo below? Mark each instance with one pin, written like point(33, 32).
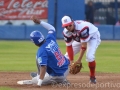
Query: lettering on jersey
point(92, 38)
point(53, 47)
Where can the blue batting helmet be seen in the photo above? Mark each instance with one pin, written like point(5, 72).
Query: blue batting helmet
point(36, 37)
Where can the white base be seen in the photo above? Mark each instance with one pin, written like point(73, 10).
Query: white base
point(24, 82)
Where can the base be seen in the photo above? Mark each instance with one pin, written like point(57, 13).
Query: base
point(24, 82)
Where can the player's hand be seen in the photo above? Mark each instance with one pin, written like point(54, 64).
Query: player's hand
point(35, 19)
point(71, 62)
point(78, 62)
point(39, 82)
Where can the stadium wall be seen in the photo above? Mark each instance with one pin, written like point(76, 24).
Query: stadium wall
point(108, 32)
point(57, 9)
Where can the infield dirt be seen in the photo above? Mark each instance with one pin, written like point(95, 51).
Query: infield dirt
point(105, 81)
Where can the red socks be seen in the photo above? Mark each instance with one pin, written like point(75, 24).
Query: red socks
point(92, 66)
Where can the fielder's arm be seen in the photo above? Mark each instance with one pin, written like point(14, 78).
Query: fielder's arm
point(82, 51)
point(84, 35)
point(70, 53)
point(68, 40)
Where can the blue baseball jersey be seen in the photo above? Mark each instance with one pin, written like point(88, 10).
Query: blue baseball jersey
point(50, 55)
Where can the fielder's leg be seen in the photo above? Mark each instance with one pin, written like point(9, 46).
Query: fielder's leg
point(90, 54)
point(55, 79)
point(62, 79)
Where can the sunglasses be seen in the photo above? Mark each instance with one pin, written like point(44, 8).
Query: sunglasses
point(68, 26)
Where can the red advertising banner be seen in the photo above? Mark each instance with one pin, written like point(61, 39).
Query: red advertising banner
point(23, 9)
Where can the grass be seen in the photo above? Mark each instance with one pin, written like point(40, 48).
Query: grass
point(6, 88)
point(20, 56)
point(17, 56)
point(107, 57)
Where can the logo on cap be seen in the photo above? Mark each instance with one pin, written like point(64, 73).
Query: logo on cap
point(65, 21)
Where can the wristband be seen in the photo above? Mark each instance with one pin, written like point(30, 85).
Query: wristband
point(39, 82)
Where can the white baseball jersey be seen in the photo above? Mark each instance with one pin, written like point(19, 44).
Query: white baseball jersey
point(83, 31)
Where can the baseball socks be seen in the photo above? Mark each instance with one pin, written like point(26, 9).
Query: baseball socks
point(92, 66)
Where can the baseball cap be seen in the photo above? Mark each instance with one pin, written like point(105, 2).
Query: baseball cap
point(66, 21)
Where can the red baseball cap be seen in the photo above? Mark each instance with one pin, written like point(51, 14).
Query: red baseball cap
point(66, 21)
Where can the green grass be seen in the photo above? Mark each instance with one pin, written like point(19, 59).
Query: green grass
point(6, 88)
point(107, 57)
point(20, 56)
point(17, 56)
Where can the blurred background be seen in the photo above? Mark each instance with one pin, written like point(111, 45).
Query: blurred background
point(15, 23)
point(105, 11)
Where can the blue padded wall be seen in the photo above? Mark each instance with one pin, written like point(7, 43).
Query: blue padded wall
point(51, 11)
point(106, 32)
point(74, 8)
point(29, 29)
point(12, 32)
point(117, 32)
point(58, 8)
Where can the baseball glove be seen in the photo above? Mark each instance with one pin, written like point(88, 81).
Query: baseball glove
point(75, 68)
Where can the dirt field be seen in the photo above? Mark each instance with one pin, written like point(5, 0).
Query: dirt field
point(105, 81)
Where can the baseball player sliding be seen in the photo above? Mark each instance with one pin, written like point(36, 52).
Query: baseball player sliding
point(81, 36)
point(52, 64)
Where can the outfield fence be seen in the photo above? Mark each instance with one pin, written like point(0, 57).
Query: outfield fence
point(9, 32)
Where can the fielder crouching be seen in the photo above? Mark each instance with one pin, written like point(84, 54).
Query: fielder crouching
point(80, 37)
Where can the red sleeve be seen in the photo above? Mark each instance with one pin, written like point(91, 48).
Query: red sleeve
point(70, 52)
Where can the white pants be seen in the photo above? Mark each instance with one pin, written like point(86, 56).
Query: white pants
point(92, 45)
point(50, 79)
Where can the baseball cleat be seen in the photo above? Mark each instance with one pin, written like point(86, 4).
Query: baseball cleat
point(66, 82)
point(93, 80)
point(33, 74)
